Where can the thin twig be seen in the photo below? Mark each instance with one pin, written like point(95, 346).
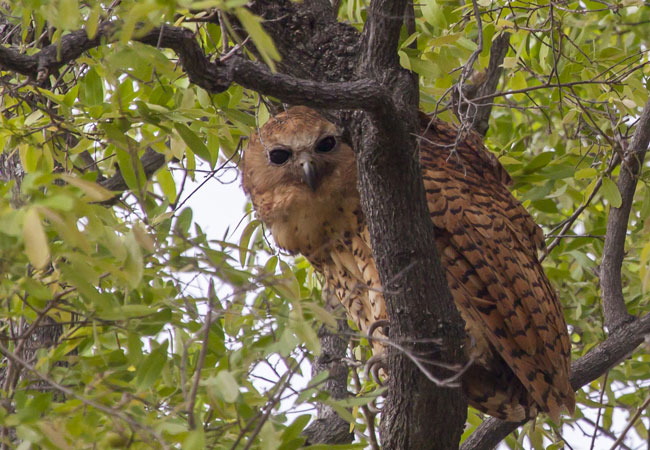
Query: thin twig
point(600, 410)
point(632, 421)
point(201, 361)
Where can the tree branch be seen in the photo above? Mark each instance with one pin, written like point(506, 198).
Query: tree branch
point(481, 86)
point(498, 52)
point(365, 94)
point(618, 346)
point(418, 302)
point(381, 35)
point(611, 284)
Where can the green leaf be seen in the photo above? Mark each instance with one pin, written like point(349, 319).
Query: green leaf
point(194, 143)
point(183, 221)
point(68, 13)
point(93, 88)
point(293, 431)
point(150, 368)
point(611, 193)
point(539, 161)
point(125, 163)
point(29, 157)
point(134, 263)
point(306, 334)
point(433, 14)
point(322, 314)
point(92, 22)
point(195, 439)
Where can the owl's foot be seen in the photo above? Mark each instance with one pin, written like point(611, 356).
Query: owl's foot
point(377, 367)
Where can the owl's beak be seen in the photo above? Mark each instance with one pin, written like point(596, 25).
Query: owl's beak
point(309, 175)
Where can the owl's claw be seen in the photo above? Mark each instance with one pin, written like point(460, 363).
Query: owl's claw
point(374, 365)
point(373, 408)
point(376, 324)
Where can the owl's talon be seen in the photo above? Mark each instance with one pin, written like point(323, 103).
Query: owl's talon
point(376, 324)
point(373, 366)
point(373, 408)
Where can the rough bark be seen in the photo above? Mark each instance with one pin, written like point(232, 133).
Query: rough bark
point(418, 301)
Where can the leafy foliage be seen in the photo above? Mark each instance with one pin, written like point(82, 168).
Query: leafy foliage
point(167, 338)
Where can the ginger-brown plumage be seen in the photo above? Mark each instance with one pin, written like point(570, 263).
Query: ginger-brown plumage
point(487, 242)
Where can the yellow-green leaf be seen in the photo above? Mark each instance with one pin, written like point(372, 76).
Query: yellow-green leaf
point(143, 238)
point(509, 160)
point(167, 184)
point(611, 193)
point(518, 82)
point(509, 62)
point(227, 386)
point(29, 157)
point(92, 21)
point(36, 246)
point(444, 40)
point(585, 173)
point(245, 240)
point(262, 40)
point(95, 192)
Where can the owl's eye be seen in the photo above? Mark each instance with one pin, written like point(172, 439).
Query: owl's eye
point(279, 156)
point(326, 144)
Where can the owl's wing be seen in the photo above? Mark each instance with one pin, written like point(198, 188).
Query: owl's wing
point(489, 243)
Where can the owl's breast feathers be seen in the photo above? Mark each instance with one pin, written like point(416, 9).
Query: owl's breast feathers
point(488, 245)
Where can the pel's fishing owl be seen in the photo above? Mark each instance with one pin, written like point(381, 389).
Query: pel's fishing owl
point(302, 179)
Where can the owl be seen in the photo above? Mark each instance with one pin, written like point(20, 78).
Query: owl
point(302, 179)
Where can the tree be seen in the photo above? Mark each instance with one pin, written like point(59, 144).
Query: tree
point(100, 98)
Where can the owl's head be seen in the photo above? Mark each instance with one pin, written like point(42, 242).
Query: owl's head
point(297, 170)
point(297, 147)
